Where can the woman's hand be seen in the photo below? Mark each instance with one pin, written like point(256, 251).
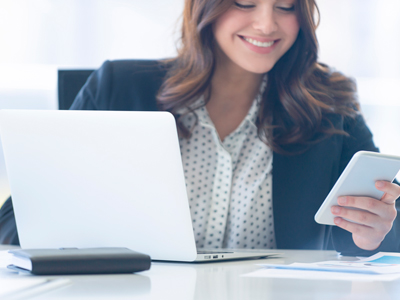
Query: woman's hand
point(376, 219)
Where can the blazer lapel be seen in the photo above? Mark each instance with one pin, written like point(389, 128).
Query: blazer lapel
point(300, 184)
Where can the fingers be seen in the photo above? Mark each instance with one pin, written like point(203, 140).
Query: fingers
point(392, 191)
point(365, 237)
point(366, 218)
point(371, 205)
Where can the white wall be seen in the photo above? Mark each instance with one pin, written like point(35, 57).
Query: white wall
point(361, 39)
point(358, 37)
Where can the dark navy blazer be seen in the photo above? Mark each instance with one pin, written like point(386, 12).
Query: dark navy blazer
point(300, 182)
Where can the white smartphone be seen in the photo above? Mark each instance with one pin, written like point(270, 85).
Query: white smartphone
point(358, 179)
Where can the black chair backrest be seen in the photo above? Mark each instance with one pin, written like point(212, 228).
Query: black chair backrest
point(69, 84)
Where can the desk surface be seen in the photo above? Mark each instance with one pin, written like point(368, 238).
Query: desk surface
point(219, 281)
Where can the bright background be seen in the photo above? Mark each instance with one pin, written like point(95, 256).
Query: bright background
point(358, 37)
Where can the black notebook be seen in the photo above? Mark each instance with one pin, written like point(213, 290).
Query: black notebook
point(79, 261)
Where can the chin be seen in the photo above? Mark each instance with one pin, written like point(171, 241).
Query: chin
point(258, 69)
point(256, 66)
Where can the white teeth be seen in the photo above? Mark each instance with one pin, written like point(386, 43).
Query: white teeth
point(258, 43)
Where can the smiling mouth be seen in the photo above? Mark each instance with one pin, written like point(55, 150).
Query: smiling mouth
point(258, 43)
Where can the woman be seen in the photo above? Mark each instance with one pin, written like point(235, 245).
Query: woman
point(265, 130)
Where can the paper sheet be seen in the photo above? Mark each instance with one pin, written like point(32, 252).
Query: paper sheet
point(5, 258)
point(320, 275)
point(18, 287)
point(13, 286)
point(382, 266)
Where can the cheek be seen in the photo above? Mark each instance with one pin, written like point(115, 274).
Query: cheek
point(292, 28)
point(227, 25)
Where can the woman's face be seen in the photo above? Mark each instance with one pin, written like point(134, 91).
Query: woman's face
point(255, 34)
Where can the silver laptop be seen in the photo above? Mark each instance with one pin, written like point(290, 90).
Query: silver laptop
point(101, 179)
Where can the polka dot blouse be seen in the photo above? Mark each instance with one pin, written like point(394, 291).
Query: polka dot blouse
point(229, 183)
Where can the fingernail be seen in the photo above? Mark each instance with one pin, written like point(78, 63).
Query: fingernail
point(337, 221)
point(335, 209)
point(380, 184)
point(342, 200)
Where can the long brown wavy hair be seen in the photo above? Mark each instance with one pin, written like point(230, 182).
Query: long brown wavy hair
point(301, 94)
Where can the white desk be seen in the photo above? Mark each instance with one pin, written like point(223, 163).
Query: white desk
point(219, 281)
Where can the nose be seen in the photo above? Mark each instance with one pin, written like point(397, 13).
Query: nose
point(265, 21)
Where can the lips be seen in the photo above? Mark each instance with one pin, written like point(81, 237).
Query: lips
point(260, 45)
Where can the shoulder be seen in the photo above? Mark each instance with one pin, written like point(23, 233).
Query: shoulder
point(329, 77)
point(123, 85)
point(136, 72)
point(334, 91)
point(133, 67)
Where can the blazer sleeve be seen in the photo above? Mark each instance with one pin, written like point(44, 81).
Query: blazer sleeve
point(360, 138)
point(8, 228)
point(97, 86)
point(122, 85)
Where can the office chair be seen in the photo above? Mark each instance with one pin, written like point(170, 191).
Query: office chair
point(69, 84)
